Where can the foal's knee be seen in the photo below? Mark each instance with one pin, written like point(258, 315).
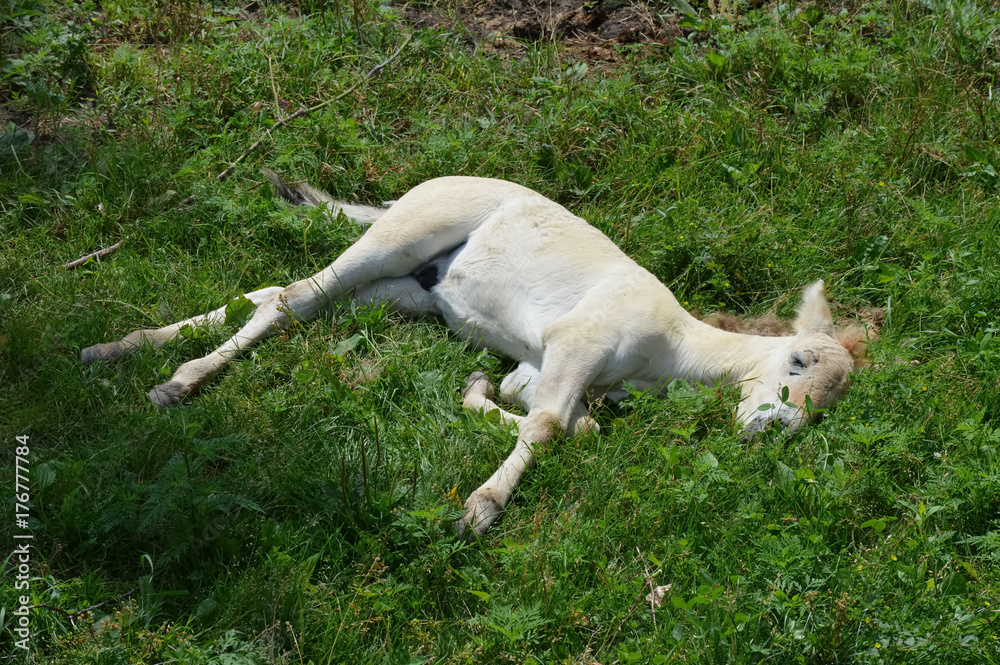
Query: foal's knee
point(539, 428)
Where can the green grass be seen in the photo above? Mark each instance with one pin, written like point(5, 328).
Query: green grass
point(299, 509)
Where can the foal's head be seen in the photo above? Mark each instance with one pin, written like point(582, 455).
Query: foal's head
point(808, 371)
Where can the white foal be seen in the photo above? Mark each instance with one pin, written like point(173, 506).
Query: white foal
point(511, 270)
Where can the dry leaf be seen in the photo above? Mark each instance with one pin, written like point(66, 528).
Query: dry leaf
point(656, 596)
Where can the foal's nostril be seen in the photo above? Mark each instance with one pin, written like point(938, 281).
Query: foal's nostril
point(755, 427)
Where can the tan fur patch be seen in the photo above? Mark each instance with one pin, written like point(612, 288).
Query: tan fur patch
point(855, 339)
point(767, 326)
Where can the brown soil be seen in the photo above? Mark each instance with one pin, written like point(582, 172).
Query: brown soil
point(588, 30)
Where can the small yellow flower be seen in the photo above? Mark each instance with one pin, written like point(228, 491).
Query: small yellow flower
point(925, 387)
point(868, 619)
point(878, 645)
point(881, 184)
point(986, 603)
point(860, 567)
point(893, 557)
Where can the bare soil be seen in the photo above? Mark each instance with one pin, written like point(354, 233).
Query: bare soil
point(587, 30)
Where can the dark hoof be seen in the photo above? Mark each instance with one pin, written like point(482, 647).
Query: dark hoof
point(168, 394)
point(106, 352)
point(480, 516)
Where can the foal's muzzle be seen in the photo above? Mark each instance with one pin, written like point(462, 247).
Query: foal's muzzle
point(770, 421)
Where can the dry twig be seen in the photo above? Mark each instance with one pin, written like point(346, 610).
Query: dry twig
point(72, 615)
point(93, 255)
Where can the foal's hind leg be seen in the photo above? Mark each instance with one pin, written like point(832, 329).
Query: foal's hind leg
point(157, 337)
point(402, 294)
point(303, 301)
point(394, 247)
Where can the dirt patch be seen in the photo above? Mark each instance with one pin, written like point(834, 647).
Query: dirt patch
point(588, 30)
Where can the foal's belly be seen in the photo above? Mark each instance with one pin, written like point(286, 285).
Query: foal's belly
point(503, 289)
point(491, 310)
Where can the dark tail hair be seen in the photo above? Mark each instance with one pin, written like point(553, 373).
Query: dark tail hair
point(310, 196)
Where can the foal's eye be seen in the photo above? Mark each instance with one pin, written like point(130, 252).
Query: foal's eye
point(798, 364)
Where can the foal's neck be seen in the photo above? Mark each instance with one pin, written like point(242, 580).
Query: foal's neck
point(707, 355)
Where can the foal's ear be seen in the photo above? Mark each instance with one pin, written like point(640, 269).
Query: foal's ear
point(813, 313)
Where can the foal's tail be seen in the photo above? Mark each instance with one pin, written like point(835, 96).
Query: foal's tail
point(310, 196)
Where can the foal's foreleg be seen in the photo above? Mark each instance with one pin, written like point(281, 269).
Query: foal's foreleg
point(478, 395)
point(519, 387)
point(158, 337)
point(567, 369)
